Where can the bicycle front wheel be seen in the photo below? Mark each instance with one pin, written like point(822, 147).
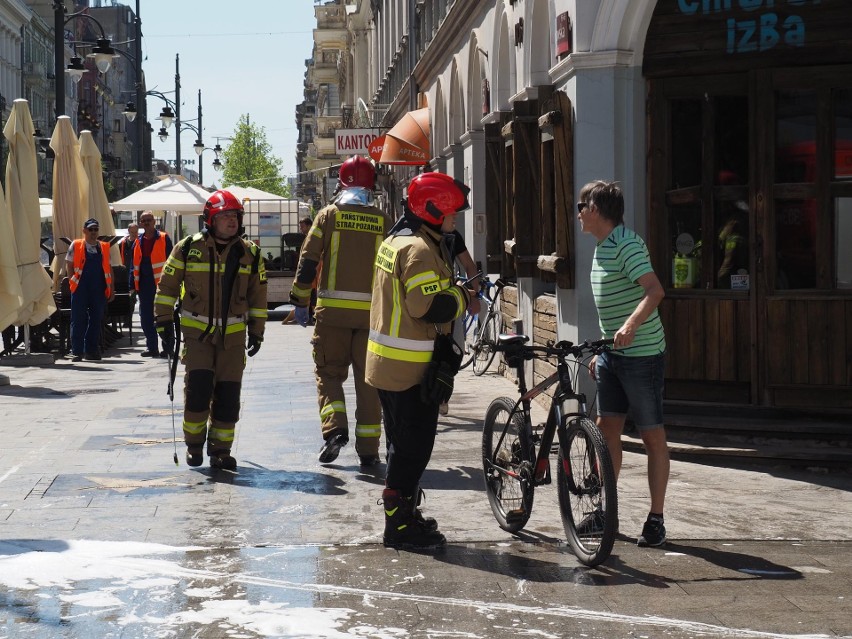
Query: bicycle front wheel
point(484, 349)
point(471, 334)
point(508, 465)
point(588, 498)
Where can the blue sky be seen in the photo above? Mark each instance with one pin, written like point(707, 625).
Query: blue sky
point(245, 57)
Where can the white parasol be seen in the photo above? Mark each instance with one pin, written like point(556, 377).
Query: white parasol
point(23, 205)
point(98, 203)
point(70, 193)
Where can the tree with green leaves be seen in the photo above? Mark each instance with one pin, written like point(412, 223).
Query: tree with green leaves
point(248, 160)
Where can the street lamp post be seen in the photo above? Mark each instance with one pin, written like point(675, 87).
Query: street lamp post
point(102, 52)
point(167, 116)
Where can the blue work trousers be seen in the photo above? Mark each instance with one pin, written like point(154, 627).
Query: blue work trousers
point(88, 303)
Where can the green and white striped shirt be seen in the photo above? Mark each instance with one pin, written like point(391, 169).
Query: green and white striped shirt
point(619, 261)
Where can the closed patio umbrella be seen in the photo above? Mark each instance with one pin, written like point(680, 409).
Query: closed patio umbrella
point(98, 203)
point(23, 205)
point(70, 193)
point(11, 297)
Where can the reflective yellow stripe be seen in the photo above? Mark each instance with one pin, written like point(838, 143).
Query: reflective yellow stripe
point(194, 428)
point(300, 291)
point(455, 292)
point(175, 262)
point(316, 231)
point(396, 313)
point(378, 244)
point(193, 323)
point(398, 353)
point(221, 434)
point(368, 430)
point(334, 303)
point(258, 312)
point(422, 278)
point(204, 267)
point(334, 250)
point(159, 298)
point(333, 407)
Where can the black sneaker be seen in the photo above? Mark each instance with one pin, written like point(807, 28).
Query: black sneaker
point(93, 356)
point(331, 449)
point(150, 354)
point(223, 461)
point(369, 460)
point(194, 458)
point(653, 533)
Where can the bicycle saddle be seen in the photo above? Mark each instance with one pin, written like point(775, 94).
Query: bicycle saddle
point(510, 339)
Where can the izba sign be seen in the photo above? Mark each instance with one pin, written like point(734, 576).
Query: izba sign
point(354, 141)
point(762, 30)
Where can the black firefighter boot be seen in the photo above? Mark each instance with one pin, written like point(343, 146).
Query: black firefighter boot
point(402, 529)
point(428, 523)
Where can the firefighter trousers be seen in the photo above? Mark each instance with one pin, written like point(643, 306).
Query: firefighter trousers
point(212, 384)
point(410, 429)
point(335, 349)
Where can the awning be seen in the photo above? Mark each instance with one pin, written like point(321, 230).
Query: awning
point(408, 140)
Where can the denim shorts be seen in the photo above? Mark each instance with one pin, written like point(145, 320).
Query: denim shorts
point(634, 384)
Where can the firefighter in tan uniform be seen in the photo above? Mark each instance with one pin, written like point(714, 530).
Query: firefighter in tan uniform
point(344, 238)
point(220, 281)
point(415, 299)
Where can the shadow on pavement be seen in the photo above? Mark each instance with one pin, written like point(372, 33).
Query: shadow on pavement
point(747, 566)
point(509, 563)
point(283, 480)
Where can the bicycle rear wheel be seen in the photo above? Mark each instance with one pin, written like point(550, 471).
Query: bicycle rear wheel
point(588, 499)
point(484, 349)
point(508, 466)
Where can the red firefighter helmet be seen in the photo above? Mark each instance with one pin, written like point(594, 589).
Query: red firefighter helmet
point(219, 202)
point(357, 171)
point(431, 196)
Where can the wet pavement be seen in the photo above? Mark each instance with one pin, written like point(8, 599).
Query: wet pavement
point(101, 535)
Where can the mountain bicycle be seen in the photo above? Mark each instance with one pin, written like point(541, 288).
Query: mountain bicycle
point(480, 333)
point(516, 455)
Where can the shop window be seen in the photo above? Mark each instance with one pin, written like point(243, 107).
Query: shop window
point(795, 243)
point(795, 136)
point(686, 240)
point(842, 99)
point(731, 139)
point(843, 240)
point(686, 143)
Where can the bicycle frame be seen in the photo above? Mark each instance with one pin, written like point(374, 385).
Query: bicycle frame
point(563, 375)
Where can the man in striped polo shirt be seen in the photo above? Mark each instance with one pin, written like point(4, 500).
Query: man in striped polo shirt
point(630, 376)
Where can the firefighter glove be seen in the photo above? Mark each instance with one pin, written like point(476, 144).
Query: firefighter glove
point(254, 343)
point(166, 330)
point(303, 316)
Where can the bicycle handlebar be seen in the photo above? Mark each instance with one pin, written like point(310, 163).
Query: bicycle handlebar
point(491, 290)
point(560, 349)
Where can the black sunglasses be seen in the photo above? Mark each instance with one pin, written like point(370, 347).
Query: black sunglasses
point(95, 230)
point(581, 206)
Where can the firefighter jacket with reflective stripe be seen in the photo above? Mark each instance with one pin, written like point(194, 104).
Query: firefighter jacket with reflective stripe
point(158, 258)
point(78, 250)
point(411, 274)
point(345, 241)
point(222, 292)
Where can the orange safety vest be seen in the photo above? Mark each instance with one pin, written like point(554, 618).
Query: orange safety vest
point(79, 251)
point(158, 258)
